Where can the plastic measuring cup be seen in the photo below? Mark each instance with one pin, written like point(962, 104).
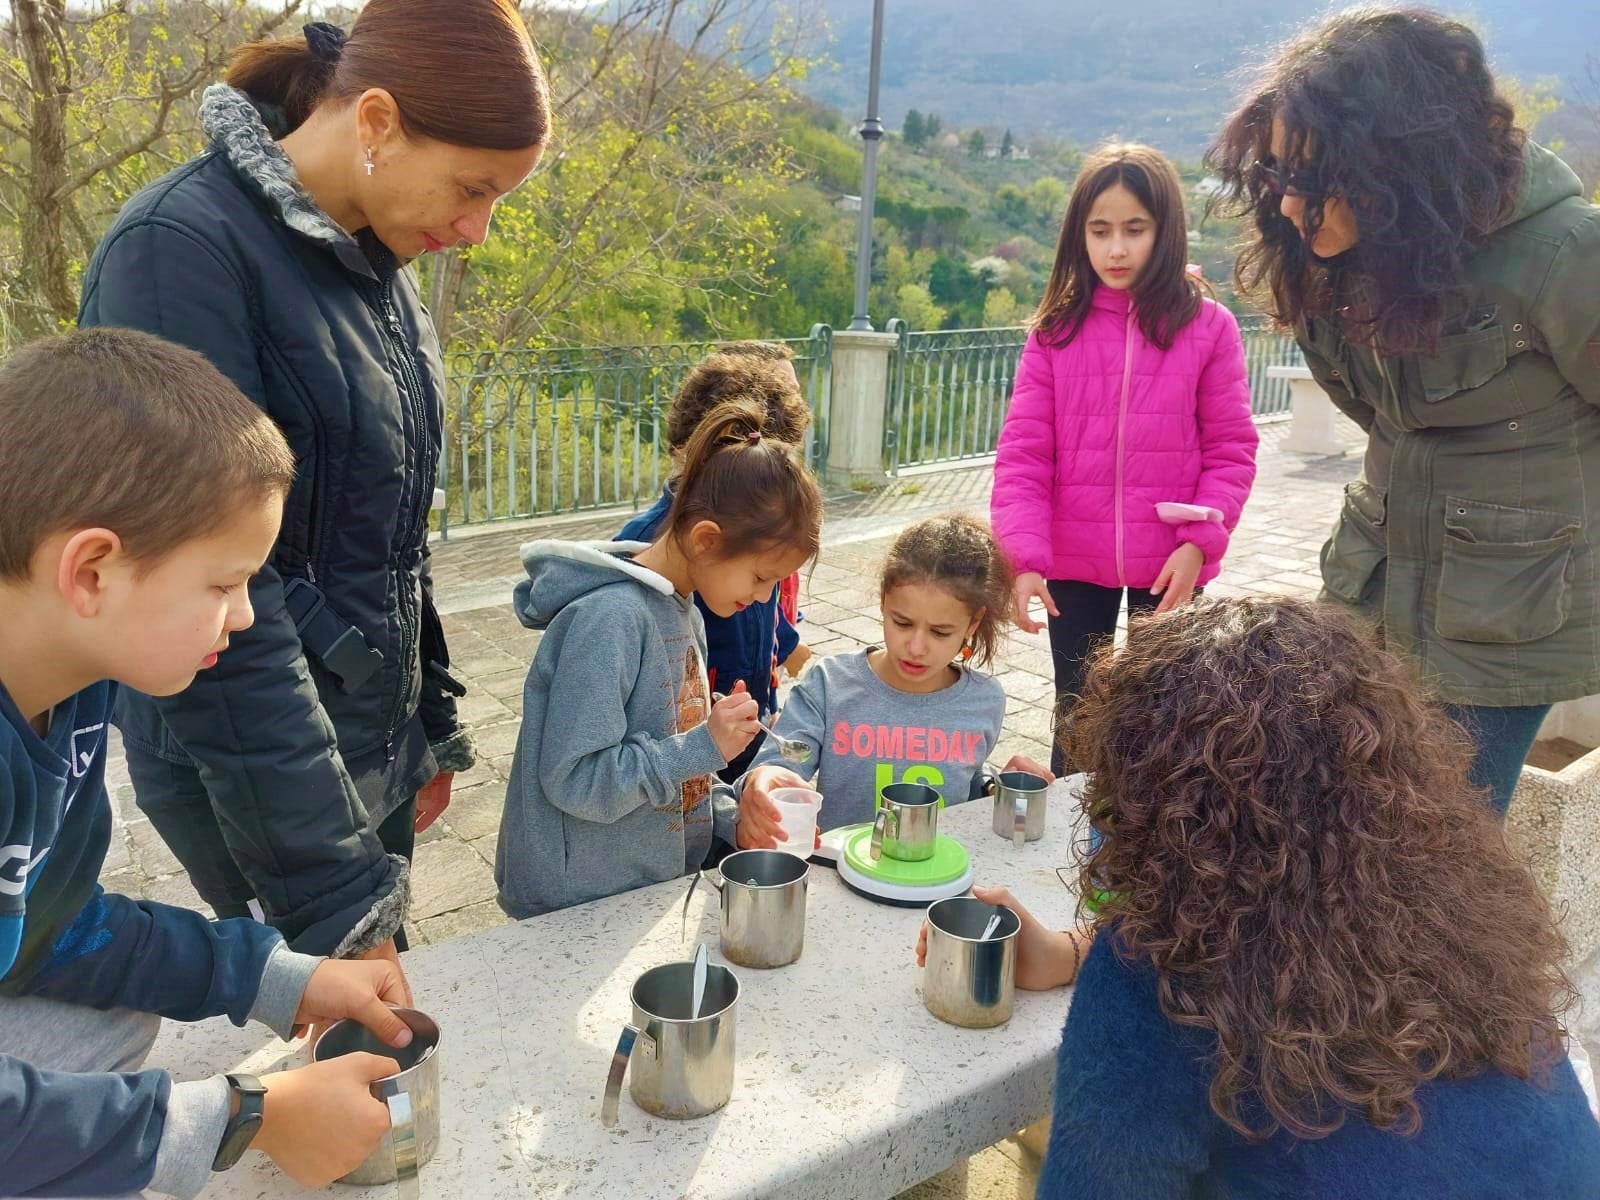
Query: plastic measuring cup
point(797, 815)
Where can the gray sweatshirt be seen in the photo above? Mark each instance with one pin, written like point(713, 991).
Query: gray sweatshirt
point(611, 784)
point(867, 734)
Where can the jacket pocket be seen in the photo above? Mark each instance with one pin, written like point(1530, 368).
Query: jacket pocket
point(1462, 363)
point(1505, 572)
point(1359, 544)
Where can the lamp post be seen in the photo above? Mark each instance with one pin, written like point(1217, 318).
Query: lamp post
point(871, 133)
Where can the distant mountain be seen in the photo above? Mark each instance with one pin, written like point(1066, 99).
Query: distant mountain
point(1162, 71)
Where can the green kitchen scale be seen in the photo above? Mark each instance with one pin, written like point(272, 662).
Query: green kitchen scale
point(889, 880)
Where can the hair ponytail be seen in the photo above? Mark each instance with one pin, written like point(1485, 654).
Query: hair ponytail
point(752, 486)
point(472, 81)
point(283, 75)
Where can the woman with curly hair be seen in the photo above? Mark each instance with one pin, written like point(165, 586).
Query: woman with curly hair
point(1439, 271)
point(1317, 971)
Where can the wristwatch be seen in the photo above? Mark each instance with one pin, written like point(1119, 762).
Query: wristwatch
point(244, 1123)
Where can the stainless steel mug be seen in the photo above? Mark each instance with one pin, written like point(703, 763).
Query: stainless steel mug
point(412, 1097)
point(682, 1065)
point(763, 906)
point(1019, 804)
point(969, 980)
point(907, 822)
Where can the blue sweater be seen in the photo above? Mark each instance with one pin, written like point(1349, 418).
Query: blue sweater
point(62, 937)
point(1133, 1122)
point(749, 645)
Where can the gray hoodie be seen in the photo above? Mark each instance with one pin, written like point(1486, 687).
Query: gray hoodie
point(611, 785)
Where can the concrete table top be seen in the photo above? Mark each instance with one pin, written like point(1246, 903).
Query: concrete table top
point(845, 1084)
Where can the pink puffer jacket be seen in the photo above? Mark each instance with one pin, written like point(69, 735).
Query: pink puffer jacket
point(1107, 428)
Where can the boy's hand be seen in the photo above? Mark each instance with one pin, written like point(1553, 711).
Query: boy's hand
point(759, 824)
point(1175, 584)
point(320, 1121)
point(1031, 584)
point(735, 719)
point(359, 988)
point(797, 661)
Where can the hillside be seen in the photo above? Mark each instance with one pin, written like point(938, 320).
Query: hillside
point(1086, 71)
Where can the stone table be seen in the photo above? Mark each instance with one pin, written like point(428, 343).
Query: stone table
point(845, 1084)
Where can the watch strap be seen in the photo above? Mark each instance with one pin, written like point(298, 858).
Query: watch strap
point(242, 1125)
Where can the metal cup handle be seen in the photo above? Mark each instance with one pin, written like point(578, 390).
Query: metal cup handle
point(631, 1035)
point(714, 878)
point(403, 1134)
point(880, 830)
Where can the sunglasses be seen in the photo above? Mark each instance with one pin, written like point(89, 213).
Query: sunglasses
point(1282, 182)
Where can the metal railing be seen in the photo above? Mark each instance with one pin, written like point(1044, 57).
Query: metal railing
point(1266, 347)
point(948, 392)
point(537, 432)
point(949, 389)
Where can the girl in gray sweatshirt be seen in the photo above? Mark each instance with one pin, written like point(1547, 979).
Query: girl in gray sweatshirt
point(913, 710)
point(611, 784)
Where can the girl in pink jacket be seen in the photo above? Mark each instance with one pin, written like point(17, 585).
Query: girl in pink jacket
point(1128, 450)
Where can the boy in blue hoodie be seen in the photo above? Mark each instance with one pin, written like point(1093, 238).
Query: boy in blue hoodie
point(139, 492)
point(752, 643)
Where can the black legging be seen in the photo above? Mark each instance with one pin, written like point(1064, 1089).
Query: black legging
point(175, 800)
point(1088, 618)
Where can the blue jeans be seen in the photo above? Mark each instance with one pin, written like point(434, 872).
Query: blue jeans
point(1503, 737)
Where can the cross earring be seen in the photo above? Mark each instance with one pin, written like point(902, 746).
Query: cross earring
point(369, 160)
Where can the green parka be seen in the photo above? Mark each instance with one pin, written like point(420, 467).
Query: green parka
point(1470, 535)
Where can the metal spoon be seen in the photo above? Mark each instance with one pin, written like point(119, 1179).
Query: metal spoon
point(789, 749)
point(988, 930)
point(699, 981)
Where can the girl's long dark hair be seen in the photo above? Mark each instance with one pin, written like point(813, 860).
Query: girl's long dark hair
point(1166, 297)
point(1395, 112)
point(1291, 840)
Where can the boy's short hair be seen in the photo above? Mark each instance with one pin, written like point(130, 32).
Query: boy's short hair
point(754, 371)
point(119, 429)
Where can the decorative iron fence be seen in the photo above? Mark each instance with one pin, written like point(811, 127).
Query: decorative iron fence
point(948, 389)
point(536, 432)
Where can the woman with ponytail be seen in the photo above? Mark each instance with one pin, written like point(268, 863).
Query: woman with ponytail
point(291, 779)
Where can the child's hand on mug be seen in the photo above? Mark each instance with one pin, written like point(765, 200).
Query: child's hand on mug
point(759, 823)
point(1021, 762)
point(1045, 958)
point(735, 719)
point(319, 1122)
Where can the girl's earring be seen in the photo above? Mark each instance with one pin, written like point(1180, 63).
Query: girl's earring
point(967, 649)
point(369, 160)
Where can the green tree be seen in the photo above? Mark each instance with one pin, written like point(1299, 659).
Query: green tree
point(1001, 308)
point(1011, 206)
point(1006, 145)
point(914, 131)
point(932, 127)
point(653, 208)
point(915, 306)
point(976, 144)
point(94, 102)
